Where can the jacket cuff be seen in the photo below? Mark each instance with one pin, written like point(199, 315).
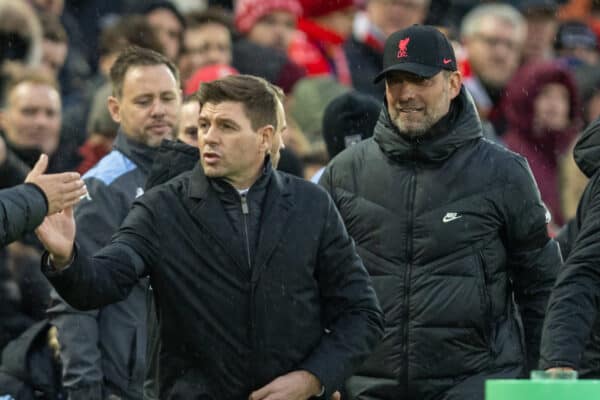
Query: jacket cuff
point(40, 191)
point(322, 370)
point(50, 270)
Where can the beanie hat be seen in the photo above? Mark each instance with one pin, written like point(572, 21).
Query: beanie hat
point(316, 8)
point(207, 74)
point(248, 12)
point(348, 119)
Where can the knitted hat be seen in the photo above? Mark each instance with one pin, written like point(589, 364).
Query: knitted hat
point(348, 119)
point(316, 8)
point(248, 12)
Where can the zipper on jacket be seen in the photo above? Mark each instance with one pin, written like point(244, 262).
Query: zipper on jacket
point(245, 213)
point(487, 305)
point(409, 258)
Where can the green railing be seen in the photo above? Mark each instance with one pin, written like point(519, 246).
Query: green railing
point(550, 389)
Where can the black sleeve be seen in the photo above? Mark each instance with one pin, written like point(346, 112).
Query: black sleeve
point(109, 276)
point(350, 307)
point(13, 171)
point(574, 302)
point(533, 258)
point(22, 209)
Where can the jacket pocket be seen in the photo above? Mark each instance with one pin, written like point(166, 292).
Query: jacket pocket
point(485, 302)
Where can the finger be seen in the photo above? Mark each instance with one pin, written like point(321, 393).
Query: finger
point(40, 166)
point(261, 393)
point(72, 186)
point(336, 396)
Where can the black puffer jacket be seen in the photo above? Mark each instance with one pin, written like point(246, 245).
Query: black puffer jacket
point(450, 226)
point(572, 323)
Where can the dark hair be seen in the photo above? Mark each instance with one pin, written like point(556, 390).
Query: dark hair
point(196, 19)
point(52, 29)
point(130, 30)
point(132, 57)
point(258, 97)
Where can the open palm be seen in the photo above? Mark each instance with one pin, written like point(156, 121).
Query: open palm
point(57, 234)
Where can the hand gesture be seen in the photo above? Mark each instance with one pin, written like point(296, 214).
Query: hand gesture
point(61, 190)
point(57, 234)
point(297, 385)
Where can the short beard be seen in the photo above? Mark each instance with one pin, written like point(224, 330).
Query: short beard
point(422, 129)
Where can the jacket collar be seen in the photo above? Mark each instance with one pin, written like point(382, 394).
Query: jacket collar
point(587, 149)
point(142, 155)
point(460, 126)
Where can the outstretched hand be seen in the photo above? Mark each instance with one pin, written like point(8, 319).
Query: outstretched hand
point(57, 234)
point(61, 190)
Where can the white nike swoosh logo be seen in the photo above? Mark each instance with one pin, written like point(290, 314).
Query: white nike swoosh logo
point(449, 218)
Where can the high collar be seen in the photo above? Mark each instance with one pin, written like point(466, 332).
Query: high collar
point(200, 184)
point(460, 126)
point(141, 154)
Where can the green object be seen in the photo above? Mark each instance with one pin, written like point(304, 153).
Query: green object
point(550, 389)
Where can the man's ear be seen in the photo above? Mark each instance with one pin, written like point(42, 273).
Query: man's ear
point(114, 107)
point(266, 138)
point(455, 81)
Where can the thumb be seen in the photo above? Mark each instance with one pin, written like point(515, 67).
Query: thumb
point(40, 166)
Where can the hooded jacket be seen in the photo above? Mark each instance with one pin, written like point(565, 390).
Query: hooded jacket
point(541, 149)
point(450, 227)
point(571, 330)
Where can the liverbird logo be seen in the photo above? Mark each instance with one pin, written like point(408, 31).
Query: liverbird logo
point(403, 47)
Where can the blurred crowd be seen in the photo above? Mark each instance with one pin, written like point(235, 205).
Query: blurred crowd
point(532, 68)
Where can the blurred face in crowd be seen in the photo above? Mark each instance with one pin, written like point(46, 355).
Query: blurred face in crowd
point(539, 42)
point(415, 104)
point(188, 124)
point(54, 7)
point(495, 51)
point(208, 44)
point(275, 30)
point(551, 108)
point(277, 144)
point(339, 21)
point(54, 55)
point(148, 108)
point(230, 148)
point(589, 56)
point(32, 117)
point(168, 28)
point(393, 15)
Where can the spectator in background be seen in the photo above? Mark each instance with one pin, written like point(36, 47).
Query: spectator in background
point(364, 48)
point(543, 112)
point(187, 131)
point(324, 27)
point(55, 44)
point(267, 28)
point(578, 44)
point(20, 33)
point(206, 41)
point(348, 119)
point(31, 119)
point(493, 36)
point(542, 23)
point(268, 23)
point(169, 25)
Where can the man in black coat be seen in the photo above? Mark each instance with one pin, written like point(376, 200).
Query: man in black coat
point(571, 324)
point(259, 290)
point(451, 229)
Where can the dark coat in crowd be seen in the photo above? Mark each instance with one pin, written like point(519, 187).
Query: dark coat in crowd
point(29, 369)
point(543, 149)
point(231, 317)
point(572, 322)
point(365, 62)
point(103, 351)
point(453, 233)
